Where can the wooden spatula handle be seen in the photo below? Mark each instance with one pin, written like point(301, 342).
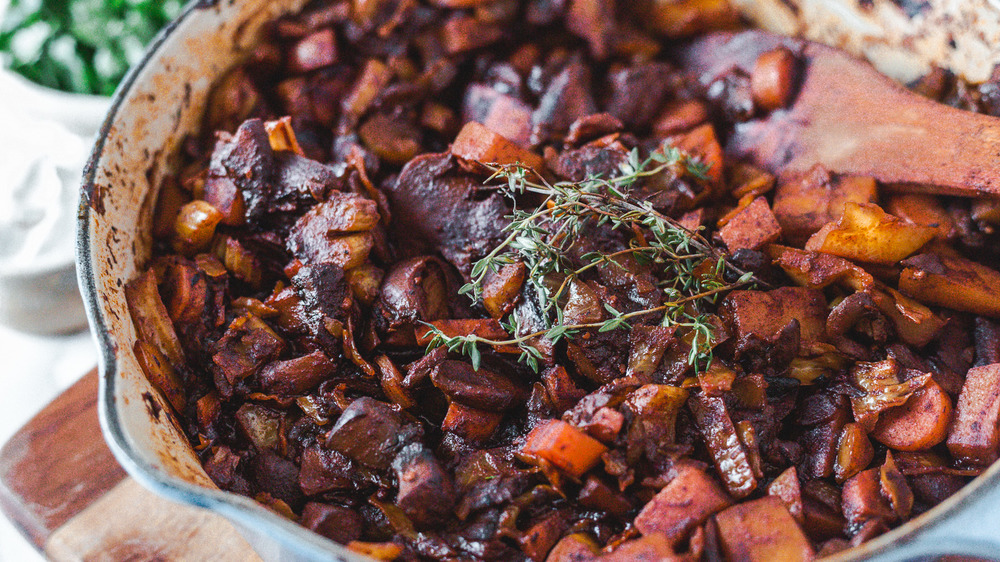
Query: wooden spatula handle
point(853, 120)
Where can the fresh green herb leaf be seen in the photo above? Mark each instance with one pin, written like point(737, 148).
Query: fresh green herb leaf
point(83, 46)
point(694, 271)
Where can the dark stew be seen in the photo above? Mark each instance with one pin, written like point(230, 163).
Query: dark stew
point(474, 279)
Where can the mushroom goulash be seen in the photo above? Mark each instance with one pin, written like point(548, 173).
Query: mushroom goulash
point(476, 279)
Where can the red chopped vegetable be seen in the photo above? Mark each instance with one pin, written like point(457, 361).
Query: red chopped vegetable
point(565, 446)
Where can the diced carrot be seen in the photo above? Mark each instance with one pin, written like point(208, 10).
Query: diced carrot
point(703, 143)
point(503, 114)
point(919, 424)
point(373, 79)
point(487, 328)
point(764, 314)
point(566, 447)
point(460, 34)
point(762, 530)
point(482, 327)
point(471, 424)
point(477, 143)
point(683, 504)
point(682, 18)
point(692, 220)
point(974, 436)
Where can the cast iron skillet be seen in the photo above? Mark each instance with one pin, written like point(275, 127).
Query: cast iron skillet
point(160, 100)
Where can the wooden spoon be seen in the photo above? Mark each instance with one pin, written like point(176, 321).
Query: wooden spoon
point(853, 120)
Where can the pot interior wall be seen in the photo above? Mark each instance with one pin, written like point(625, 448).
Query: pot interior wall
point(152, 114)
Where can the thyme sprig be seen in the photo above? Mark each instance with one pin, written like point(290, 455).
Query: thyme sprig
point(543, 239)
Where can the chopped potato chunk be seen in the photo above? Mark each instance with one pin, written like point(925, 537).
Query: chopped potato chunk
point(751, 228)
point(952, 282)
point(975, 436)
point(762, 530)
point(867, 233)
point(803, 205)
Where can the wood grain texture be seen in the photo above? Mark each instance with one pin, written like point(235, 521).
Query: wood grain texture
point(856, 121)
point(57, 464)
point(60, 484)
point(131, 523)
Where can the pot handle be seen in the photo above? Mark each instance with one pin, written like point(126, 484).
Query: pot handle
point(971, 528)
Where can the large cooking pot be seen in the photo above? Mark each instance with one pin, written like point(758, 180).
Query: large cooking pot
point(161, 101)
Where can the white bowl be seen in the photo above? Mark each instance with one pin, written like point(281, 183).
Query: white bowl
point(42, 155)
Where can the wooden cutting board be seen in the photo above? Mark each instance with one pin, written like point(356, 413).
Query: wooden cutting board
point(61, 486)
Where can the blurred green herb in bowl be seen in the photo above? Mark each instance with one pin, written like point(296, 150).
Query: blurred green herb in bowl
point(81, 46)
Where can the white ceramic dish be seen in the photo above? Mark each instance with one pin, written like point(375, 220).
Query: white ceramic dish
point(161, 100)
point(41, 165)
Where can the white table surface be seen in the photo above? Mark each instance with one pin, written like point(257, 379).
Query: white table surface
point(36, 369)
